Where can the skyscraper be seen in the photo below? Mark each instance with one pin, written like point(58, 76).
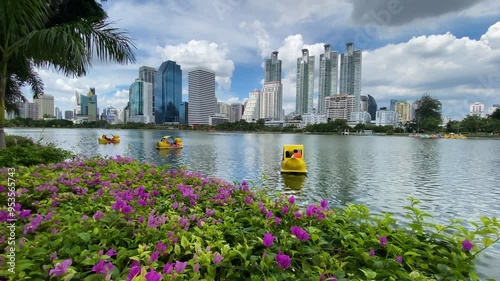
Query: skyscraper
point(141, 102)
point(328, 72)
point(201, 96)
point(167, 92)
point(271, 101)
point(45, 104)
point(273, 68)
point(147, 74)
point(350, 74)
point(372, 107)
point(252, 107)
point(305, 83)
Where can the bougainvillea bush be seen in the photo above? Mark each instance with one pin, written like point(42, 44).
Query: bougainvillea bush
point(118, 219)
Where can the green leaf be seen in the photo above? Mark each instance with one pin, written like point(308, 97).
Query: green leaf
point(85, 236)
point(185, 242)
point(177, 249)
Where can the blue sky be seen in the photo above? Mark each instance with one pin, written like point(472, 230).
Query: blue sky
point(448, 49)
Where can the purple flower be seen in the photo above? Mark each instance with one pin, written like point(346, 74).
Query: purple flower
point(160, 247)
point(300, 233)
point(25, 214)
point(298, 214)
point(209, 212)
point(283, 260)
point(291, 200)
point(324, 204)
point(53, 256)
point(168, 268)
point(382, 240)
point(399, 259)
point(284, 209)
point(217, 258)
point(60, 268)
point(467, 245)
point(277, 220)
point(269, 214)
point(248, 200)
point(154, 256)
point(98, 215)
point(134, 271)
point(180, 266)
point(102, 267)
point(268, 240)
point(111, 252)
point(196, 267)
point(372, 252)
point(152, 275)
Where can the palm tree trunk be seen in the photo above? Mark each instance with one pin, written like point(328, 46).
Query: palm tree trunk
point(3, 87)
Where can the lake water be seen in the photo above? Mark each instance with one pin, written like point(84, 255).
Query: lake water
point(453, 178)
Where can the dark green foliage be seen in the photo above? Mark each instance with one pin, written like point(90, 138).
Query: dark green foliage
point(22, 151)
point(428, 114)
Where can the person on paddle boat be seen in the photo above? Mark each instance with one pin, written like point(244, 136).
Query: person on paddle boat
point(296, 154)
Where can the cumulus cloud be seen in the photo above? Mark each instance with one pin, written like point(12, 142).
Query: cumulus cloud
point(204, 54)
point(457, 71)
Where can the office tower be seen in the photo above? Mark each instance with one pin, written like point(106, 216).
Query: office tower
point(68, 114)
point(403, 109)
point(305, 83)
point(223, 108)
point(350, 74)
point(363, 103)
point(141, 102)
point(273, 68)
point(392, 104)
point(183, 112)
point(167, 91)
point(252, 109)
point(372, 107)
point(45, 105)
point(201, 96)
point(147, 74)
point(477, 109)
point(90, 104)
point(271, 101)
point(236, 112)
point(57, 113)
point(328, 72)
point(339, 106)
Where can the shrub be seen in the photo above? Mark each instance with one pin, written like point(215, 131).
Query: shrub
point(117, 219)
point(22, 151)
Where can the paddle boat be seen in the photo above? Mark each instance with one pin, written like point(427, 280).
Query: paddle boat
point(292, 161)
point(105, 139)
point(169, 142)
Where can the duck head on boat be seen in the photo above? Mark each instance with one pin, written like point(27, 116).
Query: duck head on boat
point(292, 161)
point(170, 142)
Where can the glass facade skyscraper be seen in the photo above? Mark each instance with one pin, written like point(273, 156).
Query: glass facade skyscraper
point(350, 74)
point(273, 68)
point(372, 106)
point(328, 72)
point(305, 83)
point(167, 92)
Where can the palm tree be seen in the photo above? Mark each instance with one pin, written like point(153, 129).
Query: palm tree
point(27, 40)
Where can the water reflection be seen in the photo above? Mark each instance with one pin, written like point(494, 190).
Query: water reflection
point(293, 182)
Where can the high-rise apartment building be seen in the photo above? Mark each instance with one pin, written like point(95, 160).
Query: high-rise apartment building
point(201, 96)
point(45, 105)
point(68, 114)
point(328, 73)
point(141, 102)
point(236, 112)
point(271, 101)
point(477, 109)
point(252, 109)
point(167, 91)
point(305, 83)
point(147, 74)
point(339, 106)
point(350, 74)
point(403, 109)
point(273, 68)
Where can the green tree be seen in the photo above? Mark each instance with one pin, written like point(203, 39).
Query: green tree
point(496, 114)
point(28, 39)
point(428, 114)
point(471, 123)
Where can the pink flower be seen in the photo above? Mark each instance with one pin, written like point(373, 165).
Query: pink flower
point(102, 267)
point(60, 268)
point(283, 260)
point(269, 214)
point(152, 275)
point(160, 247)
point(324, 204)
point(399, 259)
point(382, 240)
point(268, 240)
point(98, 215)
point(196, 267)
point(284, 209)
point(180, 266)
point(372, 252)
point(217, 258)
point(467, 245)
point(154, 256)
point(277, 220)
point(168, 268)
point(300, 233)
point(291, 200)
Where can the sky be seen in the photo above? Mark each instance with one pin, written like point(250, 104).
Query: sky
point(447, 49)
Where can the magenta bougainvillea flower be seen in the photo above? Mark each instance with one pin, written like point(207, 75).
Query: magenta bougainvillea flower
point(382, 240)
point(467, 245)
point(300, 233)
point(268, 239)
point(60, 268)
point(217, 258)
point(103, 267)
point(283, 260)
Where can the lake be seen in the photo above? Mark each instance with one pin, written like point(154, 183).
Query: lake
point(453, 178)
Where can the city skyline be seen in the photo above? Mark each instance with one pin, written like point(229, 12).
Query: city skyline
point(448, 51)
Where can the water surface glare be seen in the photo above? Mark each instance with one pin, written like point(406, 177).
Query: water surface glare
point(453, 178)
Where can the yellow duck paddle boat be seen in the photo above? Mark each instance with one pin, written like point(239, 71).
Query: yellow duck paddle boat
point(292, 161)
point(169, 142)
point(109, 139)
